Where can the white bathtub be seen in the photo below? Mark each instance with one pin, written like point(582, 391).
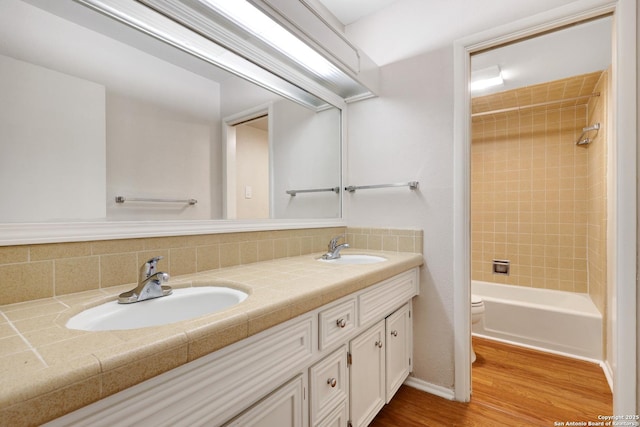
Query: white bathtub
point(556, 321)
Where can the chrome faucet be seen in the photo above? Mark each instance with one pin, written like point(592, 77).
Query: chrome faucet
point(150, 284)
point(335, 248)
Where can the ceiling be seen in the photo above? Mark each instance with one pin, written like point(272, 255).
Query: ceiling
point(391, 30)
point(350, 11)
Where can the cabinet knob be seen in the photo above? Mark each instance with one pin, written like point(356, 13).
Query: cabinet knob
point(394, 333)
point(332, 382)
point(341, 323)
point(378, 344)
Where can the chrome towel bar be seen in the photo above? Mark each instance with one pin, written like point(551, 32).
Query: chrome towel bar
point(122, 199)
point(413, 185)
point(314, 190)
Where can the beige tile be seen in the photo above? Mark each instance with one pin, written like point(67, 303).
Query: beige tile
point(375, 242)
point(165, 242)
point(54, 404)
point(293, 246)
point(118, 269)
point(248, 252)
point(76, 344)
point(182, 261)
point(33, 309)
point(5, 329)
point(77, 274)
point(267, 320)
point(229, 254)
point(208, 257)
point(266, 250)
point(60, 250)
point(25, 282)
point(16, 364)
point(280, 248)
point(12, 344)
point(50, 335)
point(14, 254)
point(137, 369)
point(306, 245)
point(117, 246)
point(203, 240)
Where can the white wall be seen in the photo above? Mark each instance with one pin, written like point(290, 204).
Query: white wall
point(406, 134)
point(403, 135)
point(305, 155)
point(52, 145)
point(155, 152)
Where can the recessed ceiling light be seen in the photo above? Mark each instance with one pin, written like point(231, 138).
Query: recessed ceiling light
point(487, 77)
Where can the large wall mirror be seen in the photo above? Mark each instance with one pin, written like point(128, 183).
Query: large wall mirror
point(93, 110)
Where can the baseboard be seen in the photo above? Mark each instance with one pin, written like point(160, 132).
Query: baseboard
point(541, 349)
point(437, 390)
point(608, 373)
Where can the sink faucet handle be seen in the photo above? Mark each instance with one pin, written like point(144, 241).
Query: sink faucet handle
point(333, 244)
point(149, 268)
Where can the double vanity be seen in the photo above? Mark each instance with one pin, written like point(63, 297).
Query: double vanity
point(311, 343)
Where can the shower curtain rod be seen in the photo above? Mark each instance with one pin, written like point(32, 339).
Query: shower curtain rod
point(540, 104)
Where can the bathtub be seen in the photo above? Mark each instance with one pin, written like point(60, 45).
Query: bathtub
point(556, 321)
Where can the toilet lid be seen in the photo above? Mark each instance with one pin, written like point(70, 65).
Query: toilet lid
point(475, 300)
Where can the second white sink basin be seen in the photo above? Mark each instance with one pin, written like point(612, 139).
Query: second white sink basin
point(354, 259)
point(182, 304)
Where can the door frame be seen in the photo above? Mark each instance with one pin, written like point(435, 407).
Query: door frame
point(229, 156)
point(623, 229)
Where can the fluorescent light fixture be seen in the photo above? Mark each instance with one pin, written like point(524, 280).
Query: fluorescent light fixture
point(254, 21)
point(485, 78)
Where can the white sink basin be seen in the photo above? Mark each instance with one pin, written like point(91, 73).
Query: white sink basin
point(354, 259)
point(182, 304)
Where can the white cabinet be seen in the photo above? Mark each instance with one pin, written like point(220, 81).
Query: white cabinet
point(329, 385)
point(380, 362)
point(339, 417)
point(242, 384)
point(285, 407)
point(399, 343)
point(336, 323)
point(367, 378)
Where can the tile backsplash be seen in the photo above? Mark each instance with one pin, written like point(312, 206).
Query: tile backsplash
point(29, 272)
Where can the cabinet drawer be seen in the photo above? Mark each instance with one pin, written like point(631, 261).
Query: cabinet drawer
point(387, 296)
point(328, 384)
point(336, 322)
point(337, 418)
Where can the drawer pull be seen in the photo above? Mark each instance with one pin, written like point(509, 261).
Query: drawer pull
point(378, 344)
point(332, 382)
point(341, 323)
point(394, 333)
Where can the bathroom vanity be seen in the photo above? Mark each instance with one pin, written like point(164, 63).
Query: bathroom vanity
point(314, 344)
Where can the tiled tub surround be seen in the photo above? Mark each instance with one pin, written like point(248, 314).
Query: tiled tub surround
point(47, 370)
point(532, 185)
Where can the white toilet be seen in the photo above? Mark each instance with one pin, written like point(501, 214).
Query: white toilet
point(477, 311)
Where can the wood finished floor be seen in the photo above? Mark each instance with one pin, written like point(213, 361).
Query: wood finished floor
point(512, 386)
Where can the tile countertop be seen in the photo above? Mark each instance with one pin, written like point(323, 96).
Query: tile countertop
point(47, 370)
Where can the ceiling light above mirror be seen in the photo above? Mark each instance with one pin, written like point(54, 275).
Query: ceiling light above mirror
point(254, 21)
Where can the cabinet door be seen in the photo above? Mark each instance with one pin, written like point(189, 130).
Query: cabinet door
point(398, 349)
point(367, 379)
point(283, 408)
